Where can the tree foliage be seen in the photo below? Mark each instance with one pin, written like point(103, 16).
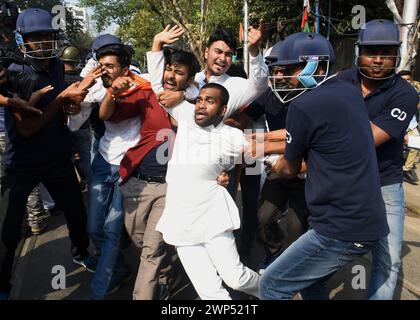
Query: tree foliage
point(139, 20)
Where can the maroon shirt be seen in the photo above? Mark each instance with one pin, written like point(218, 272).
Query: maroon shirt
point(155, 127)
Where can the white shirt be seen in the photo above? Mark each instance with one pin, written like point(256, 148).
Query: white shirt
point(241, 91)
point(197, 208)
point(118, 137)
point(413, 123)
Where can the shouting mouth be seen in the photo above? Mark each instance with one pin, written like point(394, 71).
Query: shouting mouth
point(170, 84)
point(220, 65)
point(200, 115)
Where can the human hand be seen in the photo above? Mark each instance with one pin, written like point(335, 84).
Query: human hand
point(73, 94)
point(167, 36)
point(121, 84)
point(170, 99)
point(223, 179)
point(254, 38)
point(90, 79)
point(29, 106)
point(72, 109)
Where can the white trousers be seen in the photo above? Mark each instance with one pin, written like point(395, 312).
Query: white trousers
point(209, 263)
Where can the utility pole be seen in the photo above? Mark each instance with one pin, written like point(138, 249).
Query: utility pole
point(329, 19)
point(202, 18)
point(245, 46)
point(317, 16)
point(407, 30)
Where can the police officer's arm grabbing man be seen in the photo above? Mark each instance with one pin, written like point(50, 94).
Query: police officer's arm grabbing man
point(27, 124)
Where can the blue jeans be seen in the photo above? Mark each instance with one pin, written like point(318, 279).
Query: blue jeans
point(105, 221)
point(307, 264)
point(386, 255)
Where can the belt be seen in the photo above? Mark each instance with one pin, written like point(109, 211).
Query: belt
point(148, 178)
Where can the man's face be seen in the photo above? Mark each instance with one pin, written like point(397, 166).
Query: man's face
point(290, 74)
point(40, 43)
point(208, 108)
point(277, 73)
point(378, 61)
point(218, 58)
point(175, 77)
point(112, 70)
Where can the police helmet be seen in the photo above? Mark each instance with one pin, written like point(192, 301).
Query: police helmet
point(309, 49)
point(70, 54)
point(379, 32)
point(35, 20)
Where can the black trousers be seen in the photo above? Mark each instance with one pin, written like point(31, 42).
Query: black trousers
point(61, 182)
point(250, 189)
point(276, 231)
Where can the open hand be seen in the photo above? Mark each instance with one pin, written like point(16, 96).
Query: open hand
point(90, 79)
point(167, 36)
point(29, 106)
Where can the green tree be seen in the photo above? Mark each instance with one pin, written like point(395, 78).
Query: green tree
point(139, 20)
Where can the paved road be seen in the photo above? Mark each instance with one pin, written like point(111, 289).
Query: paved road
point(33, 275)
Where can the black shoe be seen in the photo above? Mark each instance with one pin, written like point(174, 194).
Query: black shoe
point(408, 177)
point(414, 174)
point(89, 263)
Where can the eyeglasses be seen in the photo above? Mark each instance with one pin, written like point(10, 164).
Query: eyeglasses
point(109, 66)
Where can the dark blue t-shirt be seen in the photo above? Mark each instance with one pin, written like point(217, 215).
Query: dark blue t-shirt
point(269, 105)
point(150, 166)
point(50, 144)
point(329, 127)
point(390, 107)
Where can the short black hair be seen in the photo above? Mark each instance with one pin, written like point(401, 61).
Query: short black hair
point(404, 73)
point(185, 58)
point(223, 34)
point(124, 53)
point(224, 94)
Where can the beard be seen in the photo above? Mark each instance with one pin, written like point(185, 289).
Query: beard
point(106, 81)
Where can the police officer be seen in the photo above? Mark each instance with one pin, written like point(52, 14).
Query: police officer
point(38, 147)
point(70, 57)
point(327, 126)
point(277, 194)
point(81, 139)
point(391, 103)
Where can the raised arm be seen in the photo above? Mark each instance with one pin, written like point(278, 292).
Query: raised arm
point(28, 124)
point(155, 58)
point(257, 81)
point(108, 105)
point(156, 66)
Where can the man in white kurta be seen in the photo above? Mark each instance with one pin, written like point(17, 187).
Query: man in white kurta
point(199, 214)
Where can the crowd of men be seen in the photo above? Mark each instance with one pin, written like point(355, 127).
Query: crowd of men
point(163, 153)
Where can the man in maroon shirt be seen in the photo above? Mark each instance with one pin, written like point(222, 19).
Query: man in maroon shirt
point(143, 168)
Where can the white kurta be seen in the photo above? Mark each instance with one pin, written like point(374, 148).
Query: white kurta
point(241, 91)
point(197, 208)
